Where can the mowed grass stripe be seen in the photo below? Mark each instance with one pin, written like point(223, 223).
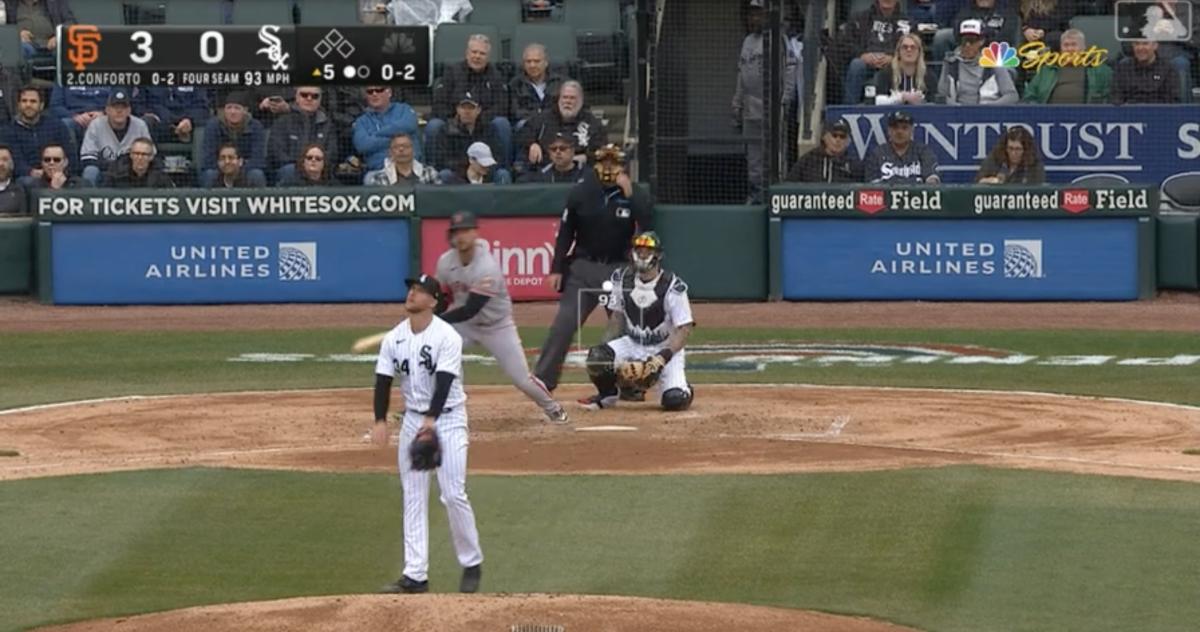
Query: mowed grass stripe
point(45, 368)
point(960, 548)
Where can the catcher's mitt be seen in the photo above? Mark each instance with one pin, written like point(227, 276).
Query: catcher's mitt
point(426, 450)
point(640, 374)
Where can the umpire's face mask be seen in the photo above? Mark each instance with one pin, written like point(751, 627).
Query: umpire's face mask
point(607, 171)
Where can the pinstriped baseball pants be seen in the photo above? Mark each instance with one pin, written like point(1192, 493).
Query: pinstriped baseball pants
point(452, 481)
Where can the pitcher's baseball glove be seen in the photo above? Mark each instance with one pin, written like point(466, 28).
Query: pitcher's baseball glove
point(426, 450)
point(641, 373)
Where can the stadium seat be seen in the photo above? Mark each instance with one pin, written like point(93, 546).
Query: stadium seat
point(559, 40)
point(1182, 191)
point(597, 16)
point(99, 12)
point(194, 13)
point(1100, 31)
point(327, 13)
point(597, 24)
point(450, 41)
point(256, 12)
point(1101, 180)
point(10, 46)
point(505, 15)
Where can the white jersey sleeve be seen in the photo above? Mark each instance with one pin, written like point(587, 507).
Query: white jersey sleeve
point(449, 358)
point(386, 363)
point(616, 296)
point(679, 308)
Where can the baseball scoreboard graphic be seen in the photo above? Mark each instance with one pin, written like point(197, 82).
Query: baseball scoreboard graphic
point(244, 56)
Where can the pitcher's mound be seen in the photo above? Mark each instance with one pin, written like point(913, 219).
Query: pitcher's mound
point(482, 613)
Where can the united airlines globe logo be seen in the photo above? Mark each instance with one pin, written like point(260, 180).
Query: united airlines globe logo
point(298, 261)
point(1022, 258)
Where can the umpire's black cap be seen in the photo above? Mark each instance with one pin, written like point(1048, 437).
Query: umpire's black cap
point(463, 219)
point(431, 285)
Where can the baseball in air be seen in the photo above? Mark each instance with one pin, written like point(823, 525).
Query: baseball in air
point(606, 286)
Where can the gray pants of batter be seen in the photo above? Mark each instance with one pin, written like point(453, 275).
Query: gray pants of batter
point(502, 341)
point(579, 299)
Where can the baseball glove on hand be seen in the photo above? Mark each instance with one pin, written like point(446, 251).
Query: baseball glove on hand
point(426, 450)
point(640, 374)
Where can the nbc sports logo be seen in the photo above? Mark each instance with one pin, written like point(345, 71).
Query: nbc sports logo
point(298, 261)
point(1023, 259)
point(999, 55)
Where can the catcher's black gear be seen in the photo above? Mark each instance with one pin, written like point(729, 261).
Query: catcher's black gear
point(600, 367)
point(425, 453)
point(677, 398)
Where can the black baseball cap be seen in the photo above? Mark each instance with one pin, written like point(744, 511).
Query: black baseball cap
point(562, 137)
point(899, 116)
point(119, 96)
point(429, 284)
point(468, 97)
point(838, 125)
point(463, 219)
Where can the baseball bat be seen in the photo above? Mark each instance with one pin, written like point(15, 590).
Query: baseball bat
point(368, 343)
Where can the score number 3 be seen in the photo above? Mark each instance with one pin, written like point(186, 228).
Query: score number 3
point(212, 47)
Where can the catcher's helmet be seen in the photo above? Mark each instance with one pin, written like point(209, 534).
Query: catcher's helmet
point(610, 160)
point(646, 239)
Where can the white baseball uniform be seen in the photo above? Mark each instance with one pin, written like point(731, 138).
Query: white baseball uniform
point(653, 310)
point(414, 358)
point(493, 327)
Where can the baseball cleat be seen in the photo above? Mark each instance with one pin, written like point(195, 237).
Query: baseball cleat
point(558, 416)
point(406, 585)
point(470, 579)
point(598, 401)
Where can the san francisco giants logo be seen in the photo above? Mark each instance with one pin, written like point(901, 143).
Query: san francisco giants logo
point(84, 45)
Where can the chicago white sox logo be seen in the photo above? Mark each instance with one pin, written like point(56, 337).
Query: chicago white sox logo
point(426, 358)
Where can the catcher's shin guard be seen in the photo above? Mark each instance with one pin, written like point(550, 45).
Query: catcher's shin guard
point(677, 398)
point(600, 369)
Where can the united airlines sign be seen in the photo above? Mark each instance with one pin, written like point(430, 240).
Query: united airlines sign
point(1142, 144)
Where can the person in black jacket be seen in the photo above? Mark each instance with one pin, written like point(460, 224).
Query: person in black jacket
point(831, 162)
point(534, 90)
point(13, 198)
point(562, 166)
point(306, 123)
point(870, 39)
point(569, 116)
point(138, 169)
point(314, 170)
point(56, 170)
point(602, 213)
point(448, 148)
point(1145, 77)
point(481, 78)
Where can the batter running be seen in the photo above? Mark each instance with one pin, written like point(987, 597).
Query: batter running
point(481, 310)
point(427, 355)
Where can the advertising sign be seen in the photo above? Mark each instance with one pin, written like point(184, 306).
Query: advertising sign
point(985, 259)
point(524, 246)
point(1143, 144)
point(251, 262)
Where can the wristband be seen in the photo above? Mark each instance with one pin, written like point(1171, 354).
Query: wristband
point(666, 355)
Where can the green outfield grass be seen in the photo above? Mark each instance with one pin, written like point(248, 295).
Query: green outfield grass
point(958, 548)
point(44, 367)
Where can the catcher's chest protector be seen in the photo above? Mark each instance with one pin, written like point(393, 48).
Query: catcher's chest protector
point(645, 307)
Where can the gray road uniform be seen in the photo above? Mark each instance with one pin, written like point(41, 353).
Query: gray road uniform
point(492, 326)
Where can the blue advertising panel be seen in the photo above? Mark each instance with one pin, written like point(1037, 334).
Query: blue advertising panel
point(988, 259)
point(1142, 143)
point(267, 262)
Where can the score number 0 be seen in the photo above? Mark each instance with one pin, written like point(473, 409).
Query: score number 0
point(212, 47)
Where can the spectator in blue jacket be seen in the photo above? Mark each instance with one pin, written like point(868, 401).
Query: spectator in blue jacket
point(174, 113)
point(37, 21)
point(79, 105)
point(29, 131)
point(383, 119)
point(233, 124)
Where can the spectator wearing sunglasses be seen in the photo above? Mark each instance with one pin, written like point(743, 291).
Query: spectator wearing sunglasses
point(562, 166)
point(55, 170)
point(306, 124)
point(313, 168)
point(831, 161)
point(383, 119)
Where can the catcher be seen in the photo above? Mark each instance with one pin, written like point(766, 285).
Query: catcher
point(649, 323)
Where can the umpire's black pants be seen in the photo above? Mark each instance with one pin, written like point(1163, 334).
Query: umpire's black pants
point(581, 294)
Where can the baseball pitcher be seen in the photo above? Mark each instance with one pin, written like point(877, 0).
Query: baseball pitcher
point(481, 310)
point(648, 327)
point(426, 354)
